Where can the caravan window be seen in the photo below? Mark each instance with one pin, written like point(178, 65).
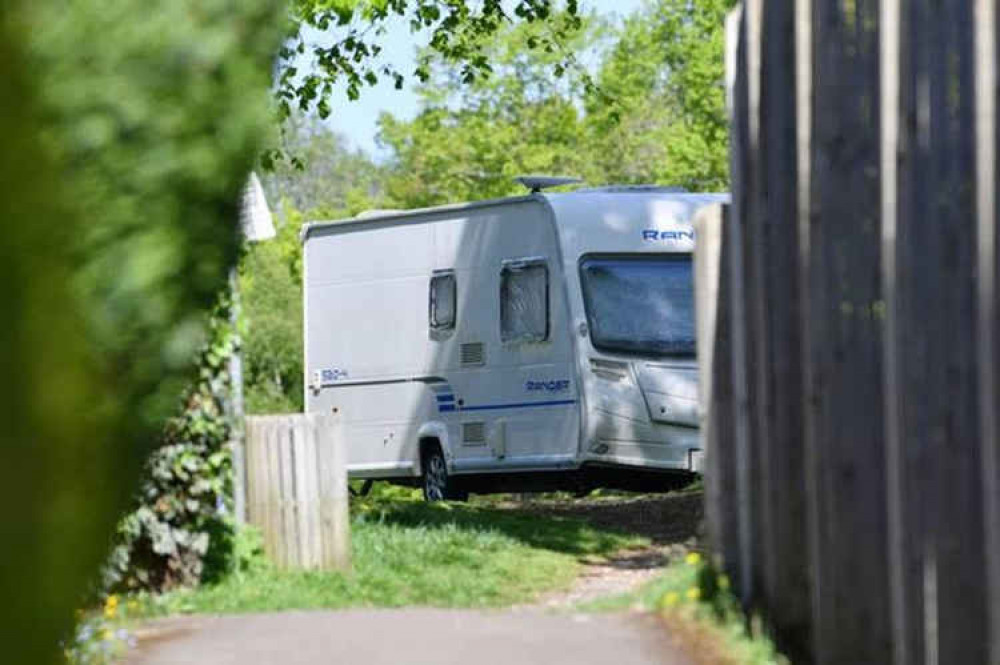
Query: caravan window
point(443, 300)
point(524, 301)
point(640, 304)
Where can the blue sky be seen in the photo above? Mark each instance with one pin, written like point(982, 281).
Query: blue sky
point(356, 120)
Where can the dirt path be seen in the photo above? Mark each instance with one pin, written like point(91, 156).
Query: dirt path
point(671, 523)
point(548, 632)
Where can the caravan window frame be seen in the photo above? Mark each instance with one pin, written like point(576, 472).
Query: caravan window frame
point(437, 327)
point(511, 267)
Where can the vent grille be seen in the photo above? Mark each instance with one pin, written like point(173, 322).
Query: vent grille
point(474, 433)
point(473, 353)
point(609, 369)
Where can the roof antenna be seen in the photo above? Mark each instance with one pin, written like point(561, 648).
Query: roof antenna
point(536, 183)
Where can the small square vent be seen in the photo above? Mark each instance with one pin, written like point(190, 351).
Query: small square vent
point(474, 433)
point(473, 353)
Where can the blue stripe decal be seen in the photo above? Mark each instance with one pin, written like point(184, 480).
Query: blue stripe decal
point(446, 407)
point(490, 407)
point(445, 398)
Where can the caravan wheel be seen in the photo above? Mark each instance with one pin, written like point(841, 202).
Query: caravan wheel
point(438, 485)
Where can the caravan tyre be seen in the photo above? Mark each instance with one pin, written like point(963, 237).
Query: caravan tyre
point(438, 485)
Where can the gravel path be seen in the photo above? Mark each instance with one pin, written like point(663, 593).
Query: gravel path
point(547, 633)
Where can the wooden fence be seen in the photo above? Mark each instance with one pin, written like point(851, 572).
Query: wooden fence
point(297, 489)
point(853, 474)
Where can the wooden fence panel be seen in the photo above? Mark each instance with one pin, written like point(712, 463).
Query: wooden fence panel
point(297, 484)
point(862, 323)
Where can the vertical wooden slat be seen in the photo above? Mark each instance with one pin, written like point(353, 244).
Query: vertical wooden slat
point(907, 633)
point(844, 427)
point(276, 523)
point(957, 531)
point(779, 442)
point(988, 331)
point(289, 495)
point(301, 472)
point(753, 237)
point(334, 496)
point(249, 466)
point(937, 545)
point(742, 571)
point(316, 530)
point(715, 380)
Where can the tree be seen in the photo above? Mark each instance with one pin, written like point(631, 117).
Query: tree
point(656, 114)
point(460, 33)
point(271, 288)
point(471, 139)
point(667, 121)
point(329, 180)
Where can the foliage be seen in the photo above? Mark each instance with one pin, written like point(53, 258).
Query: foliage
point(471, 139)
point(657, 114)
point(128, 130)
point(102, 638)
point(271, 291)
point(458, 32)
point(412, 553)
point(178, 521)
point(701, 612)
point(330, 181)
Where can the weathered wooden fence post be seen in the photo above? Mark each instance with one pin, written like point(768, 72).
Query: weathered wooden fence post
point(711, 265)
point(932, 379)
point(297, 489)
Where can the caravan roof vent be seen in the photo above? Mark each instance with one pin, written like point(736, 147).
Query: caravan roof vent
point(635, 189)
point(537, 183)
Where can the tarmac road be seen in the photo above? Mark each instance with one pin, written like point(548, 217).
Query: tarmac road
point(409, 637)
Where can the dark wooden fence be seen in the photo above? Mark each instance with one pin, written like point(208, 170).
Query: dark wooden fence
point(853, 474)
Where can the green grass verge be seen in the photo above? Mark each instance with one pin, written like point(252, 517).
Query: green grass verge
point(407, 552)
point(700, 610)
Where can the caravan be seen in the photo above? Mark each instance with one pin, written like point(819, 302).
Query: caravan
point(535, 342)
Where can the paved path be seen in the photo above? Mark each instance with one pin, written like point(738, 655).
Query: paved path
point(410, 637)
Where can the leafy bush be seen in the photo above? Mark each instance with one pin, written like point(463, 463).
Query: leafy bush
point(271, 292)
point(129, 128)
point(178, 522)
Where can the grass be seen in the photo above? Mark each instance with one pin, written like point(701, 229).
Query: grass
point(701, 612)
point(409, 553)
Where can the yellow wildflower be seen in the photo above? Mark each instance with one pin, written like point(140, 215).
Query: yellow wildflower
point(671, 599)
point(693, 558)
point(694, 593)
point(111, 607)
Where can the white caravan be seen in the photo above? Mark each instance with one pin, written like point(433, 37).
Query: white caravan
point(534, 342)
